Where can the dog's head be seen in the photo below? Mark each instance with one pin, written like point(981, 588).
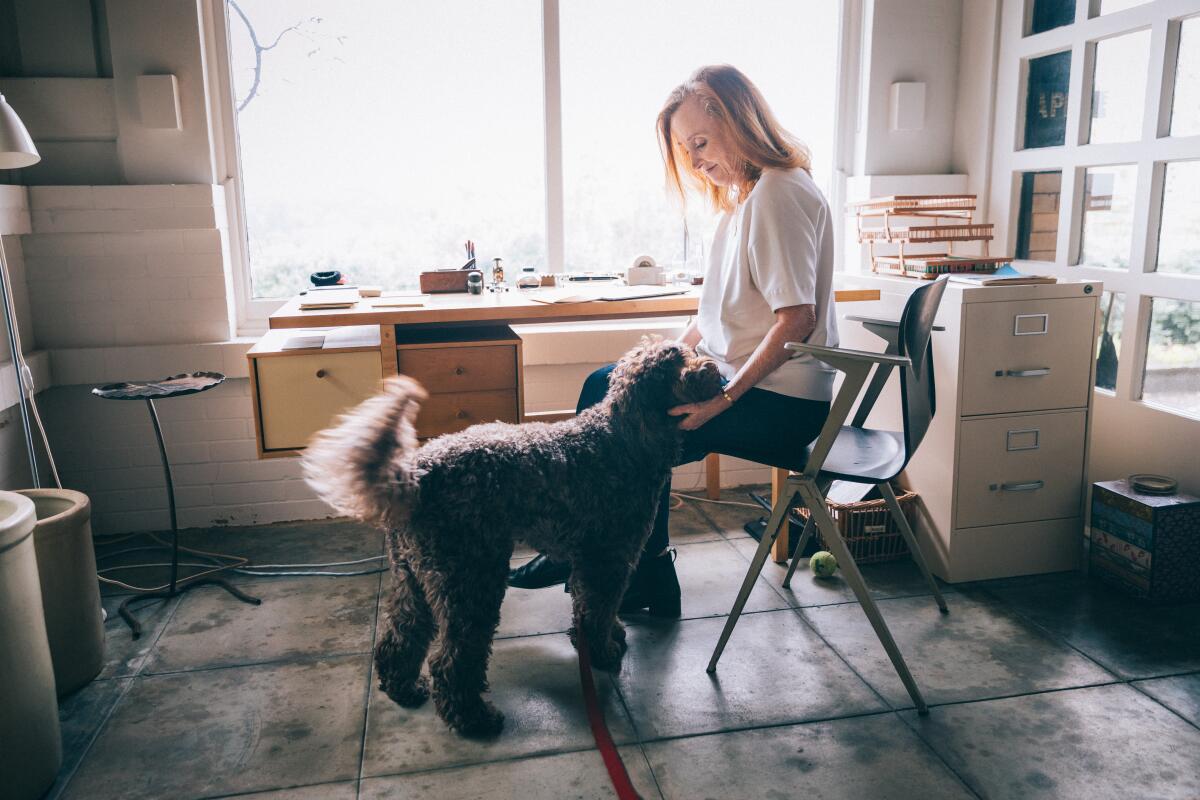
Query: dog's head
point(657, 375)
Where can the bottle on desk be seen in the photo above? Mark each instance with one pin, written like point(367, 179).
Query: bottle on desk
point(497, 272)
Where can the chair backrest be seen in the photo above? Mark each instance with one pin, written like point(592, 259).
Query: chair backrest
point(916, 381)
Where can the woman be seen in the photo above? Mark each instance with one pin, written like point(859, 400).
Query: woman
point(769, 281)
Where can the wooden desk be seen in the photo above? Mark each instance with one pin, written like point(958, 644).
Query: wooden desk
point(458, 346)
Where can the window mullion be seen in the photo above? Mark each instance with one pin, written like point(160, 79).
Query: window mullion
point(552, 99)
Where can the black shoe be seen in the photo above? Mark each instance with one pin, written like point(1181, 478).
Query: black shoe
point(654, 588)
point(538, 573)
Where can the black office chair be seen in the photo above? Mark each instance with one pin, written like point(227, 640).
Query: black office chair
point(861, 455)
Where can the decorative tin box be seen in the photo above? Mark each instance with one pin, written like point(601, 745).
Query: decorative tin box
point(1148, 545)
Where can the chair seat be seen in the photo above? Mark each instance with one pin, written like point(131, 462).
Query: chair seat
point(859, 455)
point(863, 455)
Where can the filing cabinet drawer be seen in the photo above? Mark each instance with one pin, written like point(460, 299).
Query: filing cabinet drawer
point(1020, 469)
point(447, 413)
point(1027, 355)
point(461, 369)
point(299, 395)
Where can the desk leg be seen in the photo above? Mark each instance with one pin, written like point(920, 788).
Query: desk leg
point(779, 550)
point(712, 476)
point(387, 350)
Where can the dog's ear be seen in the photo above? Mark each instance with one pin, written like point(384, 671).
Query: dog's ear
point(699, 380)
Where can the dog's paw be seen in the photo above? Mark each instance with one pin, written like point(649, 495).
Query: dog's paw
point(618, 634)
point(482, 721)
point(409, 695)
point(607, 657)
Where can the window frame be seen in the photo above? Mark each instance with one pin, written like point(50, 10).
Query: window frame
point(251, 314)
point(1155, 147)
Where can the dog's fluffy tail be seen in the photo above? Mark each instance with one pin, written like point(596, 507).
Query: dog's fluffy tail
point(362, 466)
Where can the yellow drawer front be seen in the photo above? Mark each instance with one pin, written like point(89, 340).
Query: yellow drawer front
point(461, 369)
point(1020, 469)
point(447, 413)
point(1027, 355)
point(300, 395)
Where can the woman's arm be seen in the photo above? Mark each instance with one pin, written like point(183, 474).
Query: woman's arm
point(792, 324)
point(691, 334)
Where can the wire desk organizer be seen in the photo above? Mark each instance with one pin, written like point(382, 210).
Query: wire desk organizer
point(951, 217)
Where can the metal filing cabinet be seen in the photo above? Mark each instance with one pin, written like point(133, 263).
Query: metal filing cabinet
point(1002, 471)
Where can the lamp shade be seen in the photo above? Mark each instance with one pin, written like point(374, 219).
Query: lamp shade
point(16, 148)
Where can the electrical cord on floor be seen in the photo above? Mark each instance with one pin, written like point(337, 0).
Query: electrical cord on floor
point(218, 562)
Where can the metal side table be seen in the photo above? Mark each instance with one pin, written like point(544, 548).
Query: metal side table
point(174, 386)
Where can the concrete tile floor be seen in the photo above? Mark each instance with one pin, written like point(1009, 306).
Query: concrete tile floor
point(1040, 687)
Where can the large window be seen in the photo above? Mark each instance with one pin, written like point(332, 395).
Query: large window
point(1101, 171)
point(375, 137)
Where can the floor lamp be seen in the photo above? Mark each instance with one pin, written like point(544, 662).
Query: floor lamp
point(17, 151)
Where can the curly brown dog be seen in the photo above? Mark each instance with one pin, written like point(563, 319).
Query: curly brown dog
point(584, 490)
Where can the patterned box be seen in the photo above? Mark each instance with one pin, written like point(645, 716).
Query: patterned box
point(1148, 545)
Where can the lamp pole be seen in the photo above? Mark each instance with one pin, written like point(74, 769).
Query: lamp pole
point(17, 151)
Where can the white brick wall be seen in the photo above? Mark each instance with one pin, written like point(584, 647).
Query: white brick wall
point(126, 265)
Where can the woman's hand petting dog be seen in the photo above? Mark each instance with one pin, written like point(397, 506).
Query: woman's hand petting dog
point(696, 414)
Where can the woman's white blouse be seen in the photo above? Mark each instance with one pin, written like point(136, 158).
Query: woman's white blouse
point(774, 250)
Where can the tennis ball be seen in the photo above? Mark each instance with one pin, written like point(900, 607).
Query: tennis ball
point(823, 564)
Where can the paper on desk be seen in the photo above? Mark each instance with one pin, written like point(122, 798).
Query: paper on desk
point(352, 336)
point(610, 293)
point(399, 300)
point(303, 341)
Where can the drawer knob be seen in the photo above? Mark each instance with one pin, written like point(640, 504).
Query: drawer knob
point(461, 414)
point(321, 373)
point(459, 370)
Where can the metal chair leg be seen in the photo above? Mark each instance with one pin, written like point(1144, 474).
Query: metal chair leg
point(809, 529)
point(828, 528)
point(906, 531)
point(778, 517)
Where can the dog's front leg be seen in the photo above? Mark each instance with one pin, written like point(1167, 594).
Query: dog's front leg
point(597, 586)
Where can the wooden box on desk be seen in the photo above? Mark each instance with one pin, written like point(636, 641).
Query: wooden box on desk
point(1147, 545)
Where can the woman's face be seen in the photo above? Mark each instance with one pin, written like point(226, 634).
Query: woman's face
point(709, 148)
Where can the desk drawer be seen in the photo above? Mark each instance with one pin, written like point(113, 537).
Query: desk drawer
point(461, 369)
point(299, 395)
point(1027, 355)
point(1020, 469)
point(447, 413)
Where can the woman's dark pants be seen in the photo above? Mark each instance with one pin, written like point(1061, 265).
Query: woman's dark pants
point(772, 426)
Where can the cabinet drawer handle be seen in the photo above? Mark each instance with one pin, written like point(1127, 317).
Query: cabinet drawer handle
point(321, 373)
point(1027, 373)
point(1022, 487)
point(459, 370)
point(461, 414)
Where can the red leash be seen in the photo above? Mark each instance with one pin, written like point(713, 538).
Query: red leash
point(608, 750)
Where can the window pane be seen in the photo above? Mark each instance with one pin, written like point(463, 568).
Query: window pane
point(1112, 309)
point(1107, 216)
point(1048, 14)
point(381, 135)
point(1113, 6)
point(1185, 110)
point(620, 60)
point(1178, 239)
point(1046, 100)
point(1119, 88)
point(1037, 226)
point(1172, 375)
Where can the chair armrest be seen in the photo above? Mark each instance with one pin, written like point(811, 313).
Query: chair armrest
point(840, 353)
point(884, 323)
point(887, 323)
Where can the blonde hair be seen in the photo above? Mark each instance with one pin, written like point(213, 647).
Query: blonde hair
point(741, 110)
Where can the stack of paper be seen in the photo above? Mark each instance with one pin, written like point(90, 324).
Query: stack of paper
point(1005, 276)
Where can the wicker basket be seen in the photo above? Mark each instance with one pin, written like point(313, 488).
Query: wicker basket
point(868, 529)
